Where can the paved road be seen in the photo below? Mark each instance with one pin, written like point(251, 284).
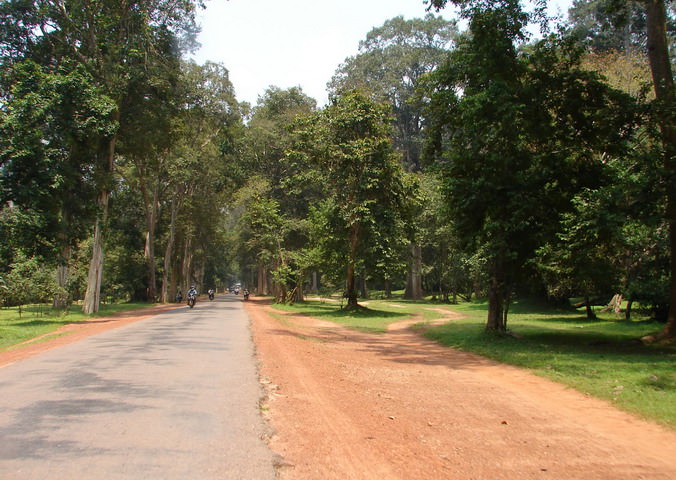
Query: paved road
point(174, 396)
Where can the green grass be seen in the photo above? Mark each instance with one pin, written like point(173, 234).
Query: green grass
point(602, 357)
point(37, 320)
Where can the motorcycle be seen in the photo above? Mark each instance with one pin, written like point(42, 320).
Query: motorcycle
point(246, 295)
point(211, 294)
point(191, 299)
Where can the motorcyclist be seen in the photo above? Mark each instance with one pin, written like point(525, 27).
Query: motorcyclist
point(179, 296)
point(211, 293)
point(192, 291)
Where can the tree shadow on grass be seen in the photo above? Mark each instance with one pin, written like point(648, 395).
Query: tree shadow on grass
point(40, 323)
point(591, 343)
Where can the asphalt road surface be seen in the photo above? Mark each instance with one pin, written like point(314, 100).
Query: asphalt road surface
point(174, 396)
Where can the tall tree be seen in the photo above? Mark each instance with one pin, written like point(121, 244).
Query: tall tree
point(266, 140)
point(609, 25)
point(349, 144)
point(519, 134)
point(665, 107)
point(390, 65)
point(51, 123)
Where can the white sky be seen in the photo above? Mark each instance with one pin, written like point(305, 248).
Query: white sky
point(288, 43)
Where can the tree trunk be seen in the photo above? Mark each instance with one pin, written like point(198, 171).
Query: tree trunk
point(199, 271)
point(62, 275)
point(152, 207)
point(187, 264)
point(150, 264)
point(627, 312)
point(497, 320)
point(315, 283)
point(663, 82)
point(388, 289)
point(588, 308)
point(495, 307)
point(350, 283)
point(414, 289)
point(299, 293)
point(262, 280)
point(363, 289)
point(167, 274)
point(95, 277)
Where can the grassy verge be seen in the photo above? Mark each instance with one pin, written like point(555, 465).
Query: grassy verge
point(602, 358)
point(37, 320)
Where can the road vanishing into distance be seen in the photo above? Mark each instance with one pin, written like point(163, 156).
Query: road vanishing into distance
point(174, 396)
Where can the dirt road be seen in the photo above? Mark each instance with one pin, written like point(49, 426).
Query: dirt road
point(397, 406)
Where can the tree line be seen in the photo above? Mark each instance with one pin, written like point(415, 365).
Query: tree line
point(451, 163)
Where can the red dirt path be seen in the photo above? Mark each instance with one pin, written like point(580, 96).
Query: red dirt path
point(350, 405)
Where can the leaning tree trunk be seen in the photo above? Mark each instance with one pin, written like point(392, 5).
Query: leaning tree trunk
point(663, 82)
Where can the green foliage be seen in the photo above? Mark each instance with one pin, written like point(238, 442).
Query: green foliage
point(390, 65)
point(50, 128)
point(22, 231)
point(516, 136)
point(612, 25)
point(28, 280)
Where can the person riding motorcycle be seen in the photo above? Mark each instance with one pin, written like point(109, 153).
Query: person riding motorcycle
point(211, 293)
point(192, 295)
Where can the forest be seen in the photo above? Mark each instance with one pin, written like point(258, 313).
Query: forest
point(454, 160)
